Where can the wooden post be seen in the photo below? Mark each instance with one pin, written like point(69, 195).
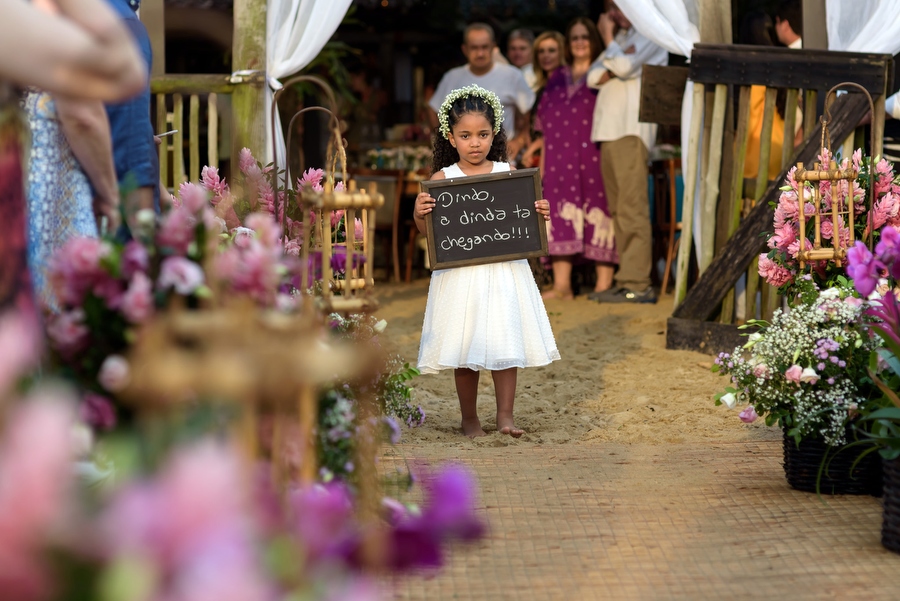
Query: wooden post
point(249, 98)
point(814, 34)
point(690, 189)
point(709, 201)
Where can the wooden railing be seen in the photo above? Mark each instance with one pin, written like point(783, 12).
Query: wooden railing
point(732, 215)
point(170, 92)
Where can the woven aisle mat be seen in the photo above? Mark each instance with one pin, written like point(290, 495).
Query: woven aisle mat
point(650, 522)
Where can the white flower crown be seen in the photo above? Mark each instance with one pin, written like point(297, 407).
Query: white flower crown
point(472, 90)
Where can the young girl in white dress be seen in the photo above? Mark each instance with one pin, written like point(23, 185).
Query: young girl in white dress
point(482, 316)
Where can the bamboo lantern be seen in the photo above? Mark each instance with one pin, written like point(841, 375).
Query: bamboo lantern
point(842, 206)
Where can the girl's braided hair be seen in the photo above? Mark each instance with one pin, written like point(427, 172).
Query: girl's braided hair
point(445, 154)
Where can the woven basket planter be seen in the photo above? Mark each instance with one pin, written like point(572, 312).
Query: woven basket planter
point(890, 525)
point(801, 468)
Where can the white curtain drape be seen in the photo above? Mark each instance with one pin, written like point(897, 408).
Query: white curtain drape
point(671, 24)
point(865, 26)
point(674, 25)
point(296, 31)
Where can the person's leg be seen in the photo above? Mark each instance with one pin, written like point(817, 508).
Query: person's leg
point(562, 278)
point(505, 388)
point(627, 160)
point(604, 276)
point(467, 391)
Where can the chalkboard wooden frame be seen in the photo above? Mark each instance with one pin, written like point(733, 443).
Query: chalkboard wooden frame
point(530, 187)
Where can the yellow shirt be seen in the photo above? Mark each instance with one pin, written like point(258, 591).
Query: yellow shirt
point(754, 130)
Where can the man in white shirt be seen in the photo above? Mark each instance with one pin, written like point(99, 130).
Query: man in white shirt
point(506, 81)
point(625, 144)
point(789, 23)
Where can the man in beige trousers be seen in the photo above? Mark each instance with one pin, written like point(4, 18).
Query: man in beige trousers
point(624, 150)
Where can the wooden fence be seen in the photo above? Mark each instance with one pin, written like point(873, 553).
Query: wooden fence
point(733, 214)
point(201, 94)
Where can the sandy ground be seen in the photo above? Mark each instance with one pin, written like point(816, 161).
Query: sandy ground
point(616, 381)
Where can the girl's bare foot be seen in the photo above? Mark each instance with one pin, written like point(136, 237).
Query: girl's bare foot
point(508, 427)
point(472, 428)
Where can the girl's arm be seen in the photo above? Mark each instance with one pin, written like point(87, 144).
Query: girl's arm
point(86, 127)
point(425, 204)
point(83, 51)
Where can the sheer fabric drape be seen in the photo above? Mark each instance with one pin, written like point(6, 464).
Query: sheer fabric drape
point(296, 31)
point(865, 26)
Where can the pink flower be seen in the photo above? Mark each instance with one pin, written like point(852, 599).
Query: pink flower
point(336, 217)
point(134, 259)
point(784, 236)
point(312, 178)
point(357, 229)
point(84, 255)
point(97, 411)
point(75, 267)
point(248, 165)
point(193, 197)
point(137, 303)
point(35, 478)
point(177, 230)
point(20, 345)
point(180, 273)
point(773, 273)
point(266, 228)
point(114, 373)
point(110, 290)
point(761, 370)
point(793, 373)
point(67, 332)
point(339, 187)
point(211, 182)
point(748, 415)
point(196, 503)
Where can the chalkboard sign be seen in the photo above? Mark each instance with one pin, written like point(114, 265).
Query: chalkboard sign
point(485, 219)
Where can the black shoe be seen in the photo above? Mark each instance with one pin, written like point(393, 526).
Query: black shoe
point(624, 295)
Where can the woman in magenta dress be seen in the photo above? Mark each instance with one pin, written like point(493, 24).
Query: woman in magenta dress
point(580, 226)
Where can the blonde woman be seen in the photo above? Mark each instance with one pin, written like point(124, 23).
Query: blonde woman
point(547, 56)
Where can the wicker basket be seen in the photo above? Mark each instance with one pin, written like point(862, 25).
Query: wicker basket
point(890, 525)
point(802, 464)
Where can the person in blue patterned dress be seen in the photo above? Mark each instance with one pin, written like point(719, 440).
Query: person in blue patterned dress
point(62, 203)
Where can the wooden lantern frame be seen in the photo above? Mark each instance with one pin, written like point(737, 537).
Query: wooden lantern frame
point(840, 205)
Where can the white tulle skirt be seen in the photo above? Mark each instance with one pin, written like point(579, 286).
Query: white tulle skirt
point(485, 317)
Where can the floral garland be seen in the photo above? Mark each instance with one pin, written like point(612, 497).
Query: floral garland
point(472, 90)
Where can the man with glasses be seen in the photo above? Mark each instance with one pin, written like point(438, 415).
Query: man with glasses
point(506, 81)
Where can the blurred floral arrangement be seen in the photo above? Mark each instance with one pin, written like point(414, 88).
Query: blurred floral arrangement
point(408, 158)
point(203, 523)
point(780, 266)
point(875, 276)
point(188, 516)
point(210, 243)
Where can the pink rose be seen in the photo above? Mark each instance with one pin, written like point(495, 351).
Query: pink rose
point(114, 374)
point(137, 303)
point(179, 273)
point(84, 254)
point(97, 411)
point(67, 331)
point(761, 370)
point(793, 373)
point(748, 415)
